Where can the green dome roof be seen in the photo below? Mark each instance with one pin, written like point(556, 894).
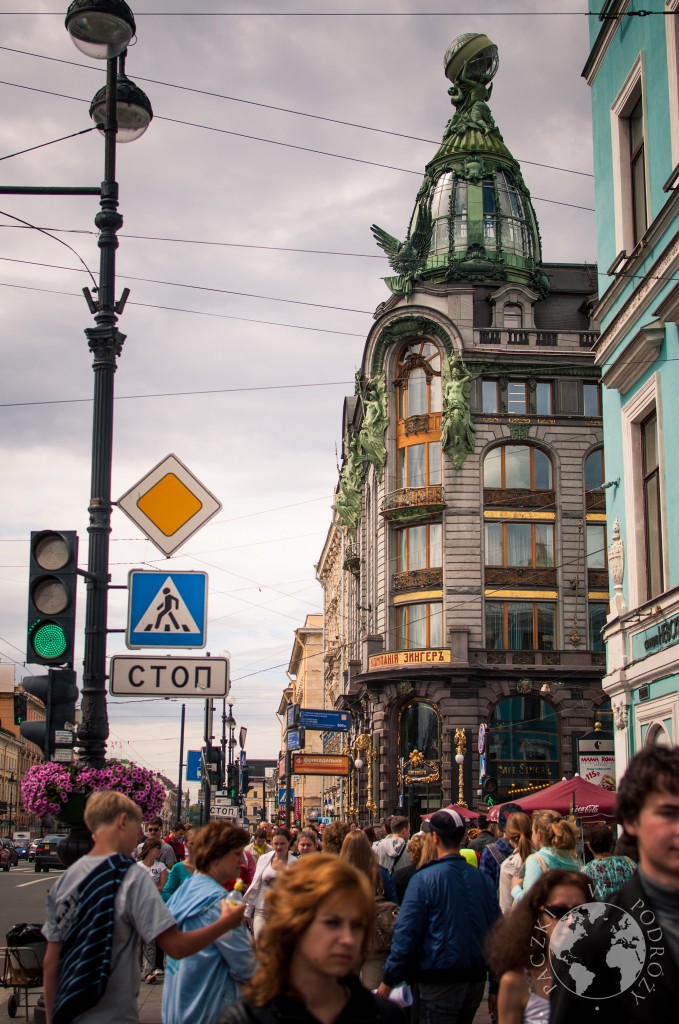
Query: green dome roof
point(473, 218)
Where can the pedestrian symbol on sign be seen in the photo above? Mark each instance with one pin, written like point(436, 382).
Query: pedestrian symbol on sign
point(167, 613)
point(166, 609)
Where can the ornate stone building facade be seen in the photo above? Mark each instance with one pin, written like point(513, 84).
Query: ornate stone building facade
point(469, 514)
point(305, 688)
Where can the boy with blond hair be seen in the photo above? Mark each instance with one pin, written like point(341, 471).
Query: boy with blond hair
point(97, 913)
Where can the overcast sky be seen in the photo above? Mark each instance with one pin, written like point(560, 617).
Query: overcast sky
point(246, 389)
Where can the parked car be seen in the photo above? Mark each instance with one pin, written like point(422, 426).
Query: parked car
point(5, 859)
point(8, 845)
point(32, 847)
point(46, 852)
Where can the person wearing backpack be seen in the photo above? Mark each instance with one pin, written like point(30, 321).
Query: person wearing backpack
point(493, 854)
point(391, 851)
point(439, 935)
point(356, 850)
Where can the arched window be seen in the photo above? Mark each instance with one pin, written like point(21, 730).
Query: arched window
point(594, 470)
point(418, 385)
point(420, 729)
point(419, 380)
point(523, 746)
point(516, 466)
point(512, 316)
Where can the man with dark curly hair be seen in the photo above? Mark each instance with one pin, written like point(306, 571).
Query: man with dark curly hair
point(333, 837)
point(648, 809)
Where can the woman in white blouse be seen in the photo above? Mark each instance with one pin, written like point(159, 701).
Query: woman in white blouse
point(268, 867)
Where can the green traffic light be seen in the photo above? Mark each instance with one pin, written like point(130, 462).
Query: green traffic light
point(48, 639)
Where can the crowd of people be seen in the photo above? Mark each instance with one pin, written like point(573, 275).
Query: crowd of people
point(351, 925)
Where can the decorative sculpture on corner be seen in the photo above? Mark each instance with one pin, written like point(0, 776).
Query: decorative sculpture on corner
point(458, 435)
point(620, 714)
point(471, 62)
point(371, 443)
point(348, 500)
point(407, 258)
point(616, 567)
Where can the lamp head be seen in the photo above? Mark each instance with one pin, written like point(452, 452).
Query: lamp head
point(133, 109)
point(358, 763)
point(100, 28)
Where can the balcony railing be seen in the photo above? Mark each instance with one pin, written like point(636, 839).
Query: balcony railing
point(412, 503)
point(537, 338)
point(417, 579)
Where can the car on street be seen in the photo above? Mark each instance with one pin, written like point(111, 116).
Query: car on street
point(21, 848)
point(12, 850)
point(5, 859)
point(46, 852)
point(32, 847)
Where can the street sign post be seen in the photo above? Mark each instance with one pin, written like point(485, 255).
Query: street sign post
point(295, 739)
point(224, 811)
point(169, 676)
point(324, 721)
point(166, 609)
point(193, 766)
point(169, 504)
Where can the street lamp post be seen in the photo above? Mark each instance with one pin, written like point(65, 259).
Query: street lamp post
point(461, 748)
point(11, 781)
point(102, 29)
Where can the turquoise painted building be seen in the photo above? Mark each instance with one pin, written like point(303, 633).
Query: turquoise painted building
point(633, 74)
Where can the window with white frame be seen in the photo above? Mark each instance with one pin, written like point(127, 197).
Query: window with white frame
point(630, 175)
point(672, 23)
point(643, 462)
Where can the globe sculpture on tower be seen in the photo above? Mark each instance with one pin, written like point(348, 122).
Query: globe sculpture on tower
point(473, 219)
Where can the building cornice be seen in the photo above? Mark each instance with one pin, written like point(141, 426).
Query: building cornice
point(643, 297)
point(615, 11)
point(638, 357)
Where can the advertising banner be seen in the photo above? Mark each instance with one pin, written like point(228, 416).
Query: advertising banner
point(320, 764)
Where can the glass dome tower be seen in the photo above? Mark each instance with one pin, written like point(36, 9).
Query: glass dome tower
point(473, 218)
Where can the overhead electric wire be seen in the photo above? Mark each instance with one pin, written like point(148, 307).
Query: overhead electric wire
point(366, 14)
point(194, 312)
point(286, 145)
point(278, 109)
point(194, 287)
point(207, 241)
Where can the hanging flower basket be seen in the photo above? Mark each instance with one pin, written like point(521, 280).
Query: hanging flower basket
point(60, 790)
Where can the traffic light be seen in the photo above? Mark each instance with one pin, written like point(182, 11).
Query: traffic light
point(232, 781)
point(58, 692)
point(20, 706)
point(214, 764)
point(490, 787)
point(244, 780)
point(51, 597)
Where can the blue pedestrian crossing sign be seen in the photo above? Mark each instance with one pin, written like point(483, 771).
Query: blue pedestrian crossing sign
point(166, 609)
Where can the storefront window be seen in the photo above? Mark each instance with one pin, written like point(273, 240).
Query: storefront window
point(523, 746)
point(420, 730)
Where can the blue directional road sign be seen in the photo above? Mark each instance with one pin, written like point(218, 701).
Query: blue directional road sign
point(324, 721)
point(294, 739)
point(193, 766)
point(166, 609)
point(281, 797)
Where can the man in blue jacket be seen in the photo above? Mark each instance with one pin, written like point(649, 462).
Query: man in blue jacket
point(440, 932)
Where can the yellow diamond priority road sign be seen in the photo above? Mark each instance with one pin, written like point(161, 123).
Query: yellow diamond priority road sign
point(169, 504)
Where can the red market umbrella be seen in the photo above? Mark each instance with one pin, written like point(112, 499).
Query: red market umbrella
point(464, 812)
point(592, 803)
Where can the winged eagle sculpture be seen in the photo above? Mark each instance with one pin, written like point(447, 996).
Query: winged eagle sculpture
point(407, 258)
